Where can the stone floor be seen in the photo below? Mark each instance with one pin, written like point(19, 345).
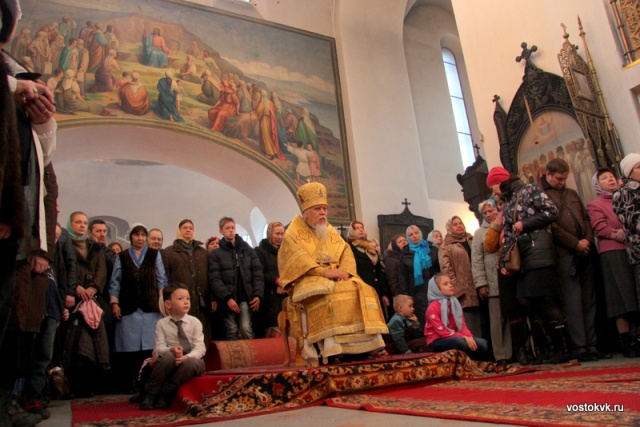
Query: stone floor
point(319, 415)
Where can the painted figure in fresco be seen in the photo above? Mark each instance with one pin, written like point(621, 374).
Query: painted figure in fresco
point(189, 70)
point(314, 164)
point(290, 123)
point(67, 29)
point(211, 63)
point(52, 82)
point(69, 56)
point(110, 35)
point(155, 50)
point(282, 134)
point(83, 63)
point(56, 49)
point(105, 78)
point(167, 96)
point(20, 44)
point(244, 96)
point(28, 64)
point(134, 98)
point(255, 96)
point(122, 80)
point(210, 93)
point(268, 128)
point(584, 167)
point(52, 31)
point(302, 169)
point(227, 106)
point(40, 51)
point(306, 130)
point(194, 50)
point(86, 32)
point(97, 47)
point(68, 96)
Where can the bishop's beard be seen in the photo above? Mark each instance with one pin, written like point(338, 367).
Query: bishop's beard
point(322, 231)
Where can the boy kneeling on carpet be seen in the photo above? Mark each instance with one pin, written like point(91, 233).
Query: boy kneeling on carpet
point(404, 328)
point(179, 347)
point(446, 328)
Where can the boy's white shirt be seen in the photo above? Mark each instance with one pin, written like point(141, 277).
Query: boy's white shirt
point(167, 336)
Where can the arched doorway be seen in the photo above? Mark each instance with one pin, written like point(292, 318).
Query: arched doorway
point(157, 177)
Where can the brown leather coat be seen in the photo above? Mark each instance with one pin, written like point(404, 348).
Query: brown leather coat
point(456, 263)
point(573, 223)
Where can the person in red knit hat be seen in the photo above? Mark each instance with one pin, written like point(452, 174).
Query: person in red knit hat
point(528, 214)
point(497, 175)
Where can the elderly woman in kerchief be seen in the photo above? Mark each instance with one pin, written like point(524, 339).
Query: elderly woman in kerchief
point(485, 278)
point(418, 264)
point(619, 284)
point(455, 260)
point(138, 275)
point(187, 262)
point(626, 204)
point(369, 262)
point(267, 251)
point(435, 238)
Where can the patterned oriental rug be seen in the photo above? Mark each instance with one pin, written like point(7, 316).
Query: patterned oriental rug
point(573, 396)
point(237, 393)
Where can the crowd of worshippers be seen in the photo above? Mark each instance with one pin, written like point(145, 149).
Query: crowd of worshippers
point(140, 319)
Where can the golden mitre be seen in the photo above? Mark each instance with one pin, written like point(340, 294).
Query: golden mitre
point(312, 194)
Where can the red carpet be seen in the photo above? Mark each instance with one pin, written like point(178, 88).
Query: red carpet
point(224, 395)
point(533, 399)
point(444, 385)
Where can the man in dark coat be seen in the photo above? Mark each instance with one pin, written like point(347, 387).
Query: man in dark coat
point(573, 238)
point(235, 277)
point(267, 251)
point(27, 220)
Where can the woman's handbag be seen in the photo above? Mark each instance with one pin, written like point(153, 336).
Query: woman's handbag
point(512, 261)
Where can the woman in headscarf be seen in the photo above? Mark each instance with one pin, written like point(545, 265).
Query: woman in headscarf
point(369, 263)
point(87, 349)
point(138, 275)
point(510, 309)
point(619, 284)
point(528, 214)
point(446, 328)
point(416, 267)
point(455, 260)
point(485, 278)
point(186, 262)
point(392, 262)
point(435, 238)
point(267, 252)
point(626, 204)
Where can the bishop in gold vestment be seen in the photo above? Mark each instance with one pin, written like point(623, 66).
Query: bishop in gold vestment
point(331, 309)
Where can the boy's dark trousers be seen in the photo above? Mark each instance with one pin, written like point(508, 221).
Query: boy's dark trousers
point(166, 377)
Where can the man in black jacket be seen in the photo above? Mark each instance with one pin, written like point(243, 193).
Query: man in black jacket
point(236, 277)
point(573, 237)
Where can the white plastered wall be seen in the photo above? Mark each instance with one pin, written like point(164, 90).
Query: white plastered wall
point(491, 32)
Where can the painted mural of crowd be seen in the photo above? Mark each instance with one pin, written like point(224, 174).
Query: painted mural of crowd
point(577, 155)
point(66, 55)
